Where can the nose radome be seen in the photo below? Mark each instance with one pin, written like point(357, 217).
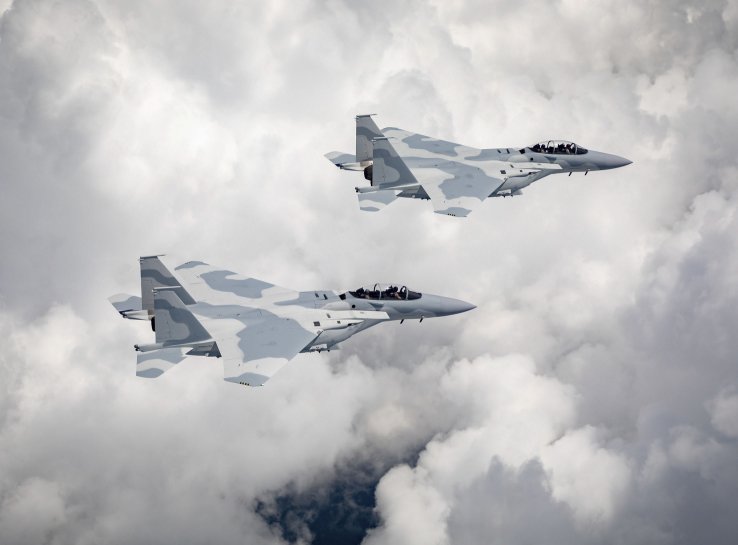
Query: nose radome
point(615, 161)
point(620, 161)
point(457, 306)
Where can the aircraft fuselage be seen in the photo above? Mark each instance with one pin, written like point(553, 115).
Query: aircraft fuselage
point(398, 303)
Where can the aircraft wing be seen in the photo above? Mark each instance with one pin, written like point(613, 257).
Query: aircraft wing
point(420, 145)
point(253, 348)
point(255, 344)
point(454, 186)
point(456, 189)
point(216, 286)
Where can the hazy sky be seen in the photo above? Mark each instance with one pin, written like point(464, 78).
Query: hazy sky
point(592, 397)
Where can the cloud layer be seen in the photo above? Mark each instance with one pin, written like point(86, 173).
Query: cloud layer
point(591, 396)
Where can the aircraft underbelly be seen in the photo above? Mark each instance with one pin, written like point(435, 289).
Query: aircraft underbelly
point(329, 338)
point(332, 337)
point(516, 183)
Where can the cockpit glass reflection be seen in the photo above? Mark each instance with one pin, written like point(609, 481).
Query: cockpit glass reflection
point(558, 147)
point(386, 291)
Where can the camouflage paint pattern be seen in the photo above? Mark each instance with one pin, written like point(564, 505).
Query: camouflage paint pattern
point(454, 177)
point(255, 327)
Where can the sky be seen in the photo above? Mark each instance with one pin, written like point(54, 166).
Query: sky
point(592, 396)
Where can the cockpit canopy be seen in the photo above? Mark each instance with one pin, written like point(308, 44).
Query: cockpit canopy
point(386, 291)
point(558, 147)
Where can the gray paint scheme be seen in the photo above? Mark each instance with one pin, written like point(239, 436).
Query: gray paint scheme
point(125, 303)
point(388, 169)
point(366, 131)
point(155, 275)
point(175, 323)
point(190, 265)
point(256, 327)
point(454, 177)
point(154, 364)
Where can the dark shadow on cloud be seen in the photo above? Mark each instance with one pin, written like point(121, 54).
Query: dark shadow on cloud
point(339, 510)
point(511, 507)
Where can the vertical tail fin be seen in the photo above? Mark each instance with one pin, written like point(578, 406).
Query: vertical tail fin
point(155, 275)
point(388, 168)
point(366, 130)
point(175, 324)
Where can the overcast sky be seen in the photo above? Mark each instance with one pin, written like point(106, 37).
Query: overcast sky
point(592, 397)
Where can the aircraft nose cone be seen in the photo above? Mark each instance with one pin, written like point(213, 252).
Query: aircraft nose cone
point(621, 162)
point(614, 161)
point(457, 306)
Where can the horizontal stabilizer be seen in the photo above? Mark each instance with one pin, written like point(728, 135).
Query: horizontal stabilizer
point(339, 158)
point(129, 306)
point(154, 364)
point(376, 200)
point(124, 302)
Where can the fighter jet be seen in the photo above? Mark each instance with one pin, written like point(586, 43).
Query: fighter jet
point(454, 177)
point(255, 327)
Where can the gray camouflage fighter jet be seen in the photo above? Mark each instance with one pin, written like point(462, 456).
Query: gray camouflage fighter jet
point(455, 178)
point(254, 326)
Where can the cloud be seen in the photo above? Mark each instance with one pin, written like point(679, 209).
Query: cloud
point(723, 412)
point(589, 397)
point(418, 509)
point(506, 412)
point(590, 479)
point(35, 509)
